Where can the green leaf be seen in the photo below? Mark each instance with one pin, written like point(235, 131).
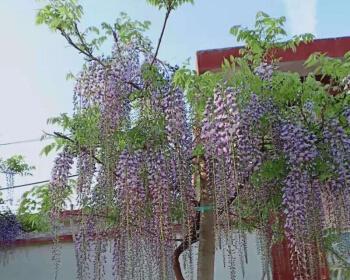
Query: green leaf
point(160, 4)
point(48, 149)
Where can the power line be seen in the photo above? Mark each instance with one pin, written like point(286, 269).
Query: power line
point(24, 141)
point(32, 184)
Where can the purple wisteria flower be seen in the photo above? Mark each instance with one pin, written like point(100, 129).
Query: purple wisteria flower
point(265, 71)
point(10, 228)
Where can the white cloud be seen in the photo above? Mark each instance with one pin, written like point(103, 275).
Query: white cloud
point(301, 16)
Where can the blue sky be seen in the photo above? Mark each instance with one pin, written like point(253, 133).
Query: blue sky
point(35, 61)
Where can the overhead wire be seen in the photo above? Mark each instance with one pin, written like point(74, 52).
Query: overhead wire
point(32, 184)
point(25, 141)
point(28, 141)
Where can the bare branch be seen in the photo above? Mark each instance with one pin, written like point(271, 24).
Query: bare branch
point(177, 253)
point(85, 51)
point(115, 37)
point(189, 240)
point(88, 53)
point(169, 9)
point(85, 149)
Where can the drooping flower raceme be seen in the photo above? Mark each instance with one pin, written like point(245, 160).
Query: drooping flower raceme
point(220, 124)
point(58, 188)
point(59, 180)
point(179, 136)
point(10, 228)
point(300, 192)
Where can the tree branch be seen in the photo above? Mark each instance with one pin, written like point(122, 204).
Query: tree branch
point(193, 238)
point(177, 253)
point(62, 136)
point(184, 245)
point(88, 53)
point(115, 36)
point(169, 9)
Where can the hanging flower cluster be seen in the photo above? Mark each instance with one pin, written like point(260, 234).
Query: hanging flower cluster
point(58, 188)
point(10, 228)
point(337, 185)
point(300, 151)
point(59, 181)
point(135, 178)
point(249, 146)
point(179, 136)
point(219, 129)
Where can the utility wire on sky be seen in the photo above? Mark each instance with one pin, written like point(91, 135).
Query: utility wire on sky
point(25, 141)
point(32, 184)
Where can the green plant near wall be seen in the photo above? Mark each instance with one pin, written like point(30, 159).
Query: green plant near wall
point(35, 205)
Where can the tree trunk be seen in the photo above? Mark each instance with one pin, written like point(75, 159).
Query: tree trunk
point(206, 250)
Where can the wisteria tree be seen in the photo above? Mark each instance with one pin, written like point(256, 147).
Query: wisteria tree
point(166, 158)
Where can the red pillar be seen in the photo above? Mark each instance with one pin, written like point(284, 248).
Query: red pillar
point(281, 265)
point(281, 268)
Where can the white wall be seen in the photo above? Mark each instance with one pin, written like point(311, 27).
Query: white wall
point(34, 263)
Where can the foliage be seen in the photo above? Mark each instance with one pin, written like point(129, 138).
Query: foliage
point(169, 4)
point(128, 29)
point(83, 124)
point(33, 211)
point(198, 88)
point(64, 16)
point(12, 166)
point(267, 37)
point(60, 15)
point(16, 165)
point(335, 68)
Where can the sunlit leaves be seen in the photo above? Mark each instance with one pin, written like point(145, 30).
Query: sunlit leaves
point(169, 4)
point(198, 88)
point(266, 38)
point(60, 14)
point(149, 131)
point(286, 87)
point(151, 74)
point(84, 126)
point(327, 66)
point(128, 29)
